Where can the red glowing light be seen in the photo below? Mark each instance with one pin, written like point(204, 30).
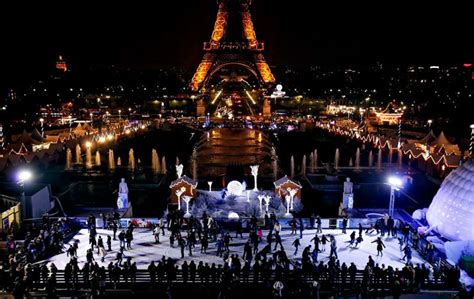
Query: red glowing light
point(467, 64)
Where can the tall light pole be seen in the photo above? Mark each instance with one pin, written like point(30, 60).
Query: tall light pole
point(395, 184)
point(430, 121)
point(23, 177)
point(70, 123)
point(42, 128)
point(92, 119)
point(120, 114)
point(2, 140)
point(471, 143)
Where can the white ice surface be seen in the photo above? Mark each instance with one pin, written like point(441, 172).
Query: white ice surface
point(144, 250)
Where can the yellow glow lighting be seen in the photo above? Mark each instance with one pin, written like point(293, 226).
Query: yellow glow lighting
point(216, 97)
point(250, 97)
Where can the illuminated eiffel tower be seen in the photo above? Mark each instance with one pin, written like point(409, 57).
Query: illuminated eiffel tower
point(233, 44)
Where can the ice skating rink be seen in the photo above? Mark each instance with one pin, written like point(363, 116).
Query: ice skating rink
point(144, 250)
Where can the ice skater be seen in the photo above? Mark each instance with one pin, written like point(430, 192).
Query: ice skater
point(333, 247)
point(324, 240)
point(358, 241)
point(380, 246)
point(296, 243)
point(352, 240)
point(318, 225)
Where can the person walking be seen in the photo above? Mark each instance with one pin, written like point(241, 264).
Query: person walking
point(352, 240)
point(333, 247)
point(100, 243)
point(296, 244)
point(109, 243)
point(114, 229)
point(344, 224)
point(316, 242)
point(156, 234)
point(324, 240)
point(301, 227)
point(408, 254)
point(102, 252)
point(319, 229)
point(182, 245)
point(277, 241)
point(293, 226)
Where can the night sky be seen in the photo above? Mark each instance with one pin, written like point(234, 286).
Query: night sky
point(171, 33)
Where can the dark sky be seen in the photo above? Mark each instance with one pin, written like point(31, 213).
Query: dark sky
point(166, 33)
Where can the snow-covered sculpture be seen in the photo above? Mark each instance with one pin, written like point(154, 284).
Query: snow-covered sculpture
point(452, 210)
point(292, 192)
point(179, 170)
point(178, 194)
point(254, 169)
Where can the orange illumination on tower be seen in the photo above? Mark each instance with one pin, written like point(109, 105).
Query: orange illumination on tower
point(61, 64)
point(200, 75)
point(249, 30)
point(219, 26)
point(265, 72)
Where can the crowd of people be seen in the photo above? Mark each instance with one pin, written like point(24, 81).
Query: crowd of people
point(263, 258)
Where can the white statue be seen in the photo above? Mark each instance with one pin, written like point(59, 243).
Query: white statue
point(260, 198)
point(122, 201)
point(254, 169)
point(348, 196)
point(178, 194)
point(267, 199)
point(292, 192)
point(179, 170)
point(348, 185)
point(288, 200)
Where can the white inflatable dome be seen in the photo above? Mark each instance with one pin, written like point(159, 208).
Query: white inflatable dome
point(452, 208)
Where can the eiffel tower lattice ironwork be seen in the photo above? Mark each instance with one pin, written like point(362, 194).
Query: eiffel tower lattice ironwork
point(233, 42)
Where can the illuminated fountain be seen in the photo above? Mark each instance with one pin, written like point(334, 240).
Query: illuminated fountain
point(292, 193)
point(119, 161)
point(336, 159)
point(351, 164)
point(163, 165)
point(111, 159)
point(316, 159)
point(97, 159)
point(210, 185)
point(194, 164)
point(292, 166)
point(400, 156)
point(371, 158)
point(155, 162)
point(131, 160)
point(274, 163)
point(78, 154)
point(88, 155)
point(68, 159)
point(357, 161)
point(379, 159)
point(311, 163)
point(303, 165)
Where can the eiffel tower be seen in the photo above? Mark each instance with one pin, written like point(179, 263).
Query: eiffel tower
point(233, 43)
